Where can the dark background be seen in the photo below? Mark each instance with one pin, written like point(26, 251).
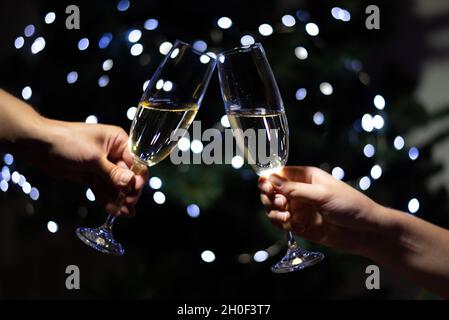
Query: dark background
point(163, 243)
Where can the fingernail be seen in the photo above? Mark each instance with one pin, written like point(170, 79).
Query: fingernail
point(126, 177)
point(276, 180)
point(265, 187)
point(279, 201)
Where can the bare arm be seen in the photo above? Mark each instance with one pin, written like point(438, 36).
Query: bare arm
point(327, 211)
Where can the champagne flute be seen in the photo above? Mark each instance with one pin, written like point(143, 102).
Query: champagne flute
point(252, 101)
point(169, 103)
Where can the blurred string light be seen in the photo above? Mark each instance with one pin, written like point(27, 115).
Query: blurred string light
point(26, 187)
point(318, 118)
point(29, 30)
point(204, 59)
point(365, 183)
point(134, 35)
point(83, 44)
point(237, 162)
point(413, 205)
point(174, 53)
point(38, 45)
point(208, 256)
point(131, 113)
point(413, 153)
point(225, 121)
point(338, 173)
point(326, 88)
point(376, 172)
point(123, 5)
point(22, 180)
point(165, 47)
point(224, 23)
point(72, 77)
point(52, 226)
point(301, 93)
point(8, 159)
point(50, 17)
point(159, 197)
point(5, 174)
point(136, 49)
point(288, 20)
point(398, 143)
point(4, 185)
point(15, 177)
point(301, 53)
point(261, 256)
point(378, 122)
point(168, 86)
point(105, 40)
point(34, 194)
point(367, 122)
point(196, 146)
point(341, 14)
point(200, 45)
point(151, 24)
point(90, 195)
point(107, 65)
point(312, 29)
point(369, 151)
point(265, 29)
point(92, 119)
point(27, 93)
point(19, 42)
point(247, 40)
point(379, 102)
point(193, 211)
point(155, 183)
point(145, 84)
point(103, 81)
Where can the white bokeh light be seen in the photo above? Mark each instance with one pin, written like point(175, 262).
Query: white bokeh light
point(367, 122)
point(413, 153)
point(312, 29)
point(413, 205)
point(288, 20)
point(338, 173)
point(364, 183)
point(247, 40)
point(155, 183)
point(318, 118)
point(134, 35)
point(145, 85)
point(19, 42)
point(225, 121)
point(136, 49)
point(15, 177)
point(398, 143)
point(103, 81)
point(224, 23)
point(301, 94)
point(90, 195)
point(52, 226)
point(237, 162)
point(265, 29)
point(29, 30)
point(184, 144)
point(50, 17)
point(159, 197)
point(107, 65)
point(369, 151)
point(193, 211)
point(208, 256)
point(26, 187)
point(200, 45)
point(27, 93)
point(131, 113)
point(72, 77)
point(83, 44)
point(204, 58)
point(379, 102)
point(168, 86)
point(376, 172)
point(261, 256)
point(4, 185)
point(301, 53)
point(196, 146)
point(92, 119)
point(38, 45)
point(151, 24)
point(378, 121)
point(326, 88)
point(165, 47)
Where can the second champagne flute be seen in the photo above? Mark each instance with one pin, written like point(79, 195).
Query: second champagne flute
point(169, 103)
point(256, 113)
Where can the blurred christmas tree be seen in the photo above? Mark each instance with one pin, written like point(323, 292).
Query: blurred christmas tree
point(345, 115)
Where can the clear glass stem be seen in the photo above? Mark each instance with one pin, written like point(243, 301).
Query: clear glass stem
point(291, 241)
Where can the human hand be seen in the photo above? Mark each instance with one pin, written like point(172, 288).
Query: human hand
point(322, 209)
point(96, 155)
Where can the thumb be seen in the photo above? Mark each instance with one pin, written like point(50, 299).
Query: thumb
point(115, 175)
point(297, 190)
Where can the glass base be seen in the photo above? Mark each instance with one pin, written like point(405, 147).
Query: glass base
point(101, 239)
point(297, 259)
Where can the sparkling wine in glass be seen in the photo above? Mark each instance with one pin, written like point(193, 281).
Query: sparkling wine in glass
point(255, 110)
point(169, 103)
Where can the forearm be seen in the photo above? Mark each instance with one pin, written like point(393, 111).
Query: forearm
point(20, 124)
point(413, 248)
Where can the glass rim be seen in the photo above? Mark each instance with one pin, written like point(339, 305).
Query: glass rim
point(241, 49)
point(177, 41)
